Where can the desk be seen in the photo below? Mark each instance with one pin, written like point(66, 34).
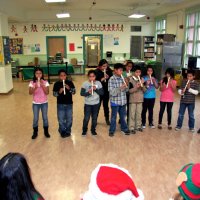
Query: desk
point(27, 71)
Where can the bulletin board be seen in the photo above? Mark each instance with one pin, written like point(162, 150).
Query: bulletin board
point(1, 52)
point(6, 49)
point(16, 45)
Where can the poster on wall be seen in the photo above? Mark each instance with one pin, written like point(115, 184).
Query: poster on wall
point(31, 49)
point(6, 49)
point(71, 47)
point(16, 45)
point(1, 52)
point(108, 40)
point(116, 40)
point(35, 48)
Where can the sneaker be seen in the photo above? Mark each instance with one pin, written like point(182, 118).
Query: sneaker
point(84, 134)
point(140, 130)
point(133, 131)
point(169, 127)
point(159, 126)
point(111, 134)
point(177, 128)
point(143, 126)
point(198, 131)
point(152, 126)
point(94, 133)
point(126, 132)
point(192, 130)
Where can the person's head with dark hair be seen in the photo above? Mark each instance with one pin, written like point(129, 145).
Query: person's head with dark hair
point(91, 75)
point(103, 64)
point(15, 179)
point(169, 73)
point(38, 74)
point(137, 71)
point(190, 75)
point(62, 74)
point(150, 71)
point(118, 69)
point(129, 66)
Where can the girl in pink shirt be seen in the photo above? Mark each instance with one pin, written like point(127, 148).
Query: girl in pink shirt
point(39, 88)
point(167, 88)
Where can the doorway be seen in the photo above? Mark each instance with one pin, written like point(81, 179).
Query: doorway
point(56, 44)
point(92, 49)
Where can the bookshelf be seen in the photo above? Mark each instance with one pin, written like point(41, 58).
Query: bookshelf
point(149, 48)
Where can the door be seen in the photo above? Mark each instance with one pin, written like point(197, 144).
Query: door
point(92, 49)
point(136, 47)
point(56, 44)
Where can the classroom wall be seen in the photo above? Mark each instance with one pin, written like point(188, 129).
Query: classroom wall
point(31, 38)
point(174, 20)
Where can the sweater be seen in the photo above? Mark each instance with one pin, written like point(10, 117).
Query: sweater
point(136, 94)
point(89, 98)
point(189, 96)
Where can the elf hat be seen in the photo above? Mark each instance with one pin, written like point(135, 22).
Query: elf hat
point(110, 182)
point(189, 182)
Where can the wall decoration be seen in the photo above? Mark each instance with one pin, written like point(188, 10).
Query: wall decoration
point(108, 40)
point(6, 49)
point(1, 52)
point(16, 45)
point(13, 29)
point(116, 40)
point(35, 48)
point(71, 47)
point(82, 27)
point(34, 28)
point(25, 29)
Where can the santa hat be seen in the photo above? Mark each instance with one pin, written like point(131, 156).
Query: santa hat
point(190, 187)
point(110, 182)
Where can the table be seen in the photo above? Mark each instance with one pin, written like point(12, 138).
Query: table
point(27, 71)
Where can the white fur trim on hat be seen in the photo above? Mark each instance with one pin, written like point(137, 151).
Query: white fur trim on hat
point(94, 193)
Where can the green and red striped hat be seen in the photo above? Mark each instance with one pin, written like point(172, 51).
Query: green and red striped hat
point(190, 188)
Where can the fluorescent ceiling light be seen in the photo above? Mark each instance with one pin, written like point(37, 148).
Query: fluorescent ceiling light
point(55, 1)
point(63, 15)
point(136, 16)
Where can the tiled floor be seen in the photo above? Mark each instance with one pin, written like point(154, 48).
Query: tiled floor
point(61, 168)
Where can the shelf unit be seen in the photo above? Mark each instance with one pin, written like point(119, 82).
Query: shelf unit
point(149, 48)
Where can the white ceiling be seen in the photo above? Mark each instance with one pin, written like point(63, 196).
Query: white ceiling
point(81, 10)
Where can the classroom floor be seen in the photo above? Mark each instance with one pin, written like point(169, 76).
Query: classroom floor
point(61, 168)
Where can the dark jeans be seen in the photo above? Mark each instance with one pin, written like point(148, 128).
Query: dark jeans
point(169, 111)
point(122, 114)
point(127, 106)
point(65, 118)
point(182, 109)
point(105, 100)
point(90, 110)
point(36, 111)
point(148, 104)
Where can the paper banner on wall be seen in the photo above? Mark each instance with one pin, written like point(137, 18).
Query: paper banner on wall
point(116, 40)
point(71, 47)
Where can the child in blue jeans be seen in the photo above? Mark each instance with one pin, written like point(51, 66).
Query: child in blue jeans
point(118, 100)
point(189, 89)
point(91, 90)
point(63, 90)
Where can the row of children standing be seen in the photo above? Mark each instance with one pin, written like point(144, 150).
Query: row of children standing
point(129, 95)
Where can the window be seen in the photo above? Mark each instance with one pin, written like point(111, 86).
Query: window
point(160, 26)
point(192, 35)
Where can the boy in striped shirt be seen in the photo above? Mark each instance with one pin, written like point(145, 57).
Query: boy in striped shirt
point(189, 89)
